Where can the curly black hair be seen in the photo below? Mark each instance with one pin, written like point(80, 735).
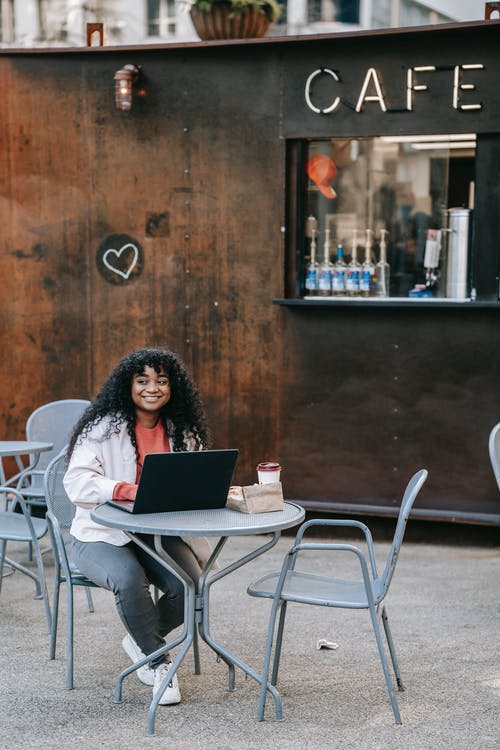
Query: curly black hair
point(182, 417)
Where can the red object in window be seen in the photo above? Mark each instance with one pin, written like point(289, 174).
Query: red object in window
point(322, 170)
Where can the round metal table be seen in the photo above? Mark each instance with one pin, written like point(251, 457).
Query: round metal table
point(23, 447)
point(18, 448)
point(222, 523)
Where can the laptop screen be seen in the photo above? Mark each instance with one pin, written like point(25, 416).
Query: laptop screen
point(186, 480)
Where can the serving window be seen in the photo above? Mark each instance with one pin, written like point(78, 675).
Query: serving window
point(383, 217)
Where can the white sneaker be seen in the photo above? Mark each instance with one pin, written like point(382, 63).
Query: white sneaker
point(171, 693)
point(145, 673)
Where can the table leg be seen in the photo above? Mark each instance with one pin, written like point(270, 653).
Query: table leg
point(200, 607)
point(186, 636)
point(231, 659)
point(173, 669)
point(196, 614)
point(17, 566)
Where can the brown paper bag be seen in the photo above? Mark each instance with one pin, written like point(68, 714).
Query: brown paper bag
point(256, 498)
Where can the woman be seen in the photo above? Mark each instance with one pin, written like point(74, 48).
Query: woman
point(147, 405)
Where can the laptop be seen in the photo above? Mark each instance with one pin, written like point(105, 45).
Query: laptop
point(186, 480)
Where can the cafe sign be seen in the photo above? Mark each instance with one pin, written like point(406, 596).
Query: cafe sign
point(458, 87)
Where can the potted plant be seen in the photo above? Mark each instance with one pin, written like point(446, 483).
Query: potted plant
point(233, 19)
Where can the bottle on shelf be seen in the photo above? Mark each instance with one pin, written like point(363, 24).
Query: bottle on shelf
point(367, 269)
point(338, 273)
point(325, 269)
point(382, 269)
point(312, 268)
point(353, 270)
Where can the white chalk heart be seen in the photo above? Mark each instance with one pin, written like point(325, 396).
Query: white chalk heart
point(117, 254)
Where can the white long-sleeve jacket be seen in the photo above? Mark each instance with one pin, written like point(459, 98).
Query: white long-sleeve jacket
point(96, 466)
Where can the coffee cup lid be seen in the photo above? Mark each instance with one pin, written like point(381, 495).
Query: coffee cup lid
point(268, 466)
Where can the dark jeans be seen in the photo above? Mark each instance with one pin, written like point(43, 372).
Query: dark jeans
point(129, 572)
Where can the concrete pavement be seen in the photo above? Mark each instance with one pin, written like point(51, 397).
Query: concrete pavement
point(444, 611)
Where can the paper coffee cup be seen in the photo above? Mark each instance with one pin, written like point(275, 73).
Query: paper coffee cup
point(268, 472)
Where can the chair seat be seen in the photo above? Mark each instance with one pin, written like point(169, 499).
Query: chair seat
point(310, 588)
point(78, 578)
point(13, 526)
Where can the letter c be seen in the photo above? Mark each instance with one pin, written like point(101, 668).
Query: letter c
point(307, 93)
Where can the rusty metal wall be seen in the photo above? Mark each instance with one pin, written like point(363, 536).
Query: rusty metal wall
point(194, 177)
point(377, 393)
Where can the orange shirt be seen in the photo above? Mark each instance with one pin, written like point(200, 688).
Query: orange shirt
point(148, 441)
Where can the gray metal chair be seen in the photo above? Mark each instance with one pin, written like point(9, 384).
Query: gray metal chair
point(18, 526)
point(494, 449)
point(60, 512)
point(292, 584)
point(52, 423)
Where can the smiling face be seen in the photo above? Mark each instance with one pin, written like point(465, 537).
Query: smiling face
point(150, 393)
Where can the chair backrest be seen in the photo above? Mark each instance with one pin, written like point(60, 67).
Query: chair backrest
point(412, 489)
point(53, 423)
point(494, 448)
point(58, 503)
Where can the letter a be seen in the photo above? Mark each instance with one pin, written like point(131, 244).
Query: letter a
point(371, 76)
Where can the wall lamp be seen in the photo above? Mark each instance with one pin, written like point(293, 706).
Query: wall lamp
point(125, 78)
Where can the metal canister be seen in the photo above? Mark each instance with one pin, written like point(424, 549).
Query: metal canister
point(458, 252)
